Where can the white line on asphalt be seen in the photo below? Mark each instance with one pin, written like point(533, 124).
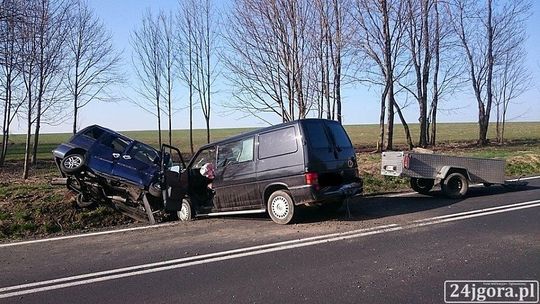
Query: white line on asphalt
point(242, 252)
point(475, 211)
point(86, 235)
point(187, 259)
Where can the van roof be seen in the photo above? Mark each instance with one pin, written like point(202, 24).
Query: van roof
point(261, 130)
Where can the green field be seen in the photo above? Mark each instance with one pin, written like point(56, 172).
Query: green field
point(362, 136)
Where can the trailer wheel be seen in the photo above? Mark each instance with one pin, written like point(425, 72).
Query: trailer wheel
point(455, 185)
point(422, 185)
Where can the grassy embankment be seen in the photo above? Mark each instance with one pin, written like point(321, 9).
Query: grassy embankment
point(33, 207)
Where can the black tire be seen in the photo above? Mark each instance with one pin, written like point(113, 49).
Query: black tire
point(155, 190)
point(83, 201)
point(455, 185)
point(280, 207)
point(330, 207)
point(185, 214)
point(422, 185)
point(72, 163)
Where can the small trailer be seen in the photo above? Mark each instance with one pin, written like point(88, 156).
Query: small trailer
point(453, 173)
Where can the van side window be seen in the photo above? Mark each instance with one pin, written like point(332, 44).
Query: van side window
point(338, 133)
point(278, 142)
point(316, 135)
point(235, 152)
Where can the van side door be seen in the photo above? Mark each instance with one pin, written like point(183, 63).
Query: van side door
point(235, 182)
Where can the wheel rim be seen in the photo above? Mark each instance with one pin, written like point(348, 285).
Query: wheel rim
point(72, 162)
point(280, 207)
point(455, 184)
point(183, 214)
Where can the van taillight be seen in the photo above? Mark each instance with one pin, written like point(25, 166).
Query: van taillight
point(312, 179)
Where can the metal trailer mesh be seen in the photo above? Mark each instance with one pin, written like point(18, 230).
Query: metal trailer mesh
point(429, 165)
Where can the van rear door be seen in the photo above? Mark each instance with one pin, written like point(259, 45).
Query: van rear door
point(330, 152)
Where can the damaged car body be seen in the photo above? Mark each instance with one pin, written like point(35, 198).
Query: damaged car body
point(103, 166)
point(272, 170)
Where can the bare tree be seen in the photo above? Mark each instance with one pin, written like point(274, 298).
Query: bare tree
point(272, 58)
point(380, 34)
point(43, 32)
point(9, 73)
point(511, 77)
point(483, 32)
point(94, 64)
point(332, 36)
point(168, 27)
point(149, 62)
point(185, 34)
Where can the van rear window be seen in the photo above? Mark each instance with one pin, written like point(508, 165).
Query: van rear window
point(316, 135)
point(340, 136)
point(278, 142)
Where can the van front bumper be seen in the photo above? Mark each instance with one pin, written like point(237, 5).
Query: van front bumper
point(307, 194)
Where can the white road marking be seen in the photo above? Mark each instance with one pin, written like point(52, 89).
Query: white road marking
point(90, 278)
point(87, 235)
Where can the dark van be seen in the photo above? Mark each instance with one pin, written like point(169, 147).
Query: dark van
point(274, 170)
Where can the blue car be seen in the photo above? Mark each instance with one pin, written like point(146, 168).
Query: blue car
point(103, 165)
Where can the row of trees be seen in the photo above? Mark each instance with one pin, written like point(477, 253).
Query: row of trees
point(288, 58)
point(55, 58)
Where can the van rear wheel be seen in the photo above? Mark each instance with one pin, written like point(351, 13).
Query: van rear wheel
point(280, 207)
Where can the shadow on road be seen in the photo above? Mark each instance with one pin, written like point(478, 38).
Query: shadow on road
point(367, 208)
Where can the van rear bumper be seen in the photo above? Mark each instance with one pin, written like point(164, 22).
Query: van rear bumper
point(307, 194)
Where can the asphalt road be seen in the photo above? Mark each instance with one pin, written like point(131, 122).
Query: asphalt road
point(396, 249)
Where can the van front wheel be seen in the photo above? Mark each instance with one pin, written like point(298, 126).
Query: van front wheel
point(280, 207)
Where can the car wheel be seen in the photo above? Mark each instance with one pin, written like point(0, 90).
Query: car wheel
point(455, 185)
point(83, 201)
point(422, 185)
point(72, 163)
point(186, 211)
point(280, 207)
point(155, 190)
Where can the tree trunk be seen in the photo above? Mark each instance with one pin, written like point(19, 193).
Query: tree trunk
point(405, 126)
point(380, 147)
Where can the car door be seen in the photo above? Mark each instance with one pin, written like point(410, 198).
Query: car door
point(138, 164)
point(235, 182)
point(105, 152)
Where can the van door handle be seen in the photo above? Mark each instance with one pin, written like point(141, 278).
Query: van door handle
point(126, 157)
point(116, 155)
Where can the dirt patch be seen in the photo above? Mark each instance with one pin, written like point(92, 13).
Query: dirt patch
point(33, 207)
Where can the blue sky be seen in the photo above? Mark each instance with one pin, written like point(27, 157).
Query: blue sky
point(360, 104)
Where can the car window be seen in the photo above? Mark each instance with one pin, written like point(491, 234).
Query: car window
point(118, 145)
point(235, 152)
point(339, 135)
point(316, 135)
point(278, 142)
point(143, 153)
point(94, 133)
point(207, 155)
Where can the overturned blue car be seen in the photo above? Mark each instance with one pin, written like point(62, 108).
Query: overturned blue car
point(103, 166)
